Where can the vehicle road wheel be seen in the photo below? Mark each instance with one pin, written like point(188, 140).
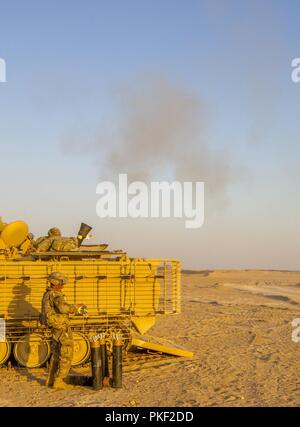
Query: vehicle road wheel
point(32, 351)
point(81, 349)
point(5, 349)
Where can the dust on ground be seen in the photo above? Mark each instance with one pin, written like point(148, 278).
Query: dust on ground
point(237, 323)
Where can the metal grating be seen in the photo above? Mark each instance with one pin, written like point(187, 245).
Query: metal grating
point(114, 291)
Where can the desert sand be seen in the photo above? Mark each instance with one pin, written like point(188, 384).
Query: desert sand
point(237, 323)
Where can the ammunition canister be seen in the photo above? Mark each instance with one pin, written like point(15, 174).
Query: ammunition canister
point(117, 363)
point(96, 365)
point(104, 358)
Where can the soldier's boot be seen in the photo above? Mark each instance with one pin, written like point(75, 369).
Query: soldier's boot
point(60, 384)
point(53, 366)
point(63, 371)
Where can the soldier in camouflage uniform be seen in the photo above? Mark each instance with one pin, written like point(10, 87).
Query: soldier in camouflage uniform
point(43, 243)
point(56, 242)
point(55, 314)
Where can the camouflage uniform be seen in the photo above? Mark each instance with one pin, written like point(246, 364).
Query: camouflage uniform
point(55, 314)
point(44, 243)
point(55, 242)
point(64, 244)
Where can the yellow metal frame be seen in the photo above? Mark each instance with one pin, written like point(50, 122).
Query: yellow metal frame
point(130, 291)
point(159, 345)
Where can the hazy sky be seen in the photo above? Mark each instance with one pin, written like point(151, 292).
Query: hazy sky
point(83, 82)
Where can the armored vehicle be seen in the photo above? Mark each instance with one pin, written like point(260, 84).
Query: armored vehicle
point(124, 296)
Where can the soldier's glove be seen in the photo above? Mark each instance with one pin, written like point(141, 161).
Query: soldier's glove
point(82, 309)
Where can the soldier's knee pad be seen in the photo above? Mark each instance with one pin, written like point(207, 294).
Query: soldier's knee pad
point(66, 352)
point(66, 338)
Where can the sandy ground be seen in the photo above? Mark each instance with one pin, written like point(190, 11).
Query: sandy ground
point(238, 323)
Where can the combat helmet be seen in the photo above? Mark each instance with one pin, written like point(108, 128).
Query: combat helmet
point(54, 232)
point(58, 278)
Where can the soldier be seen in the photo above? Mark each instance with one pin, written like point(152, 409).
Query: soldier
point(55, 315)
point(54, 232)
point(56, 242)
point(44, 243)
